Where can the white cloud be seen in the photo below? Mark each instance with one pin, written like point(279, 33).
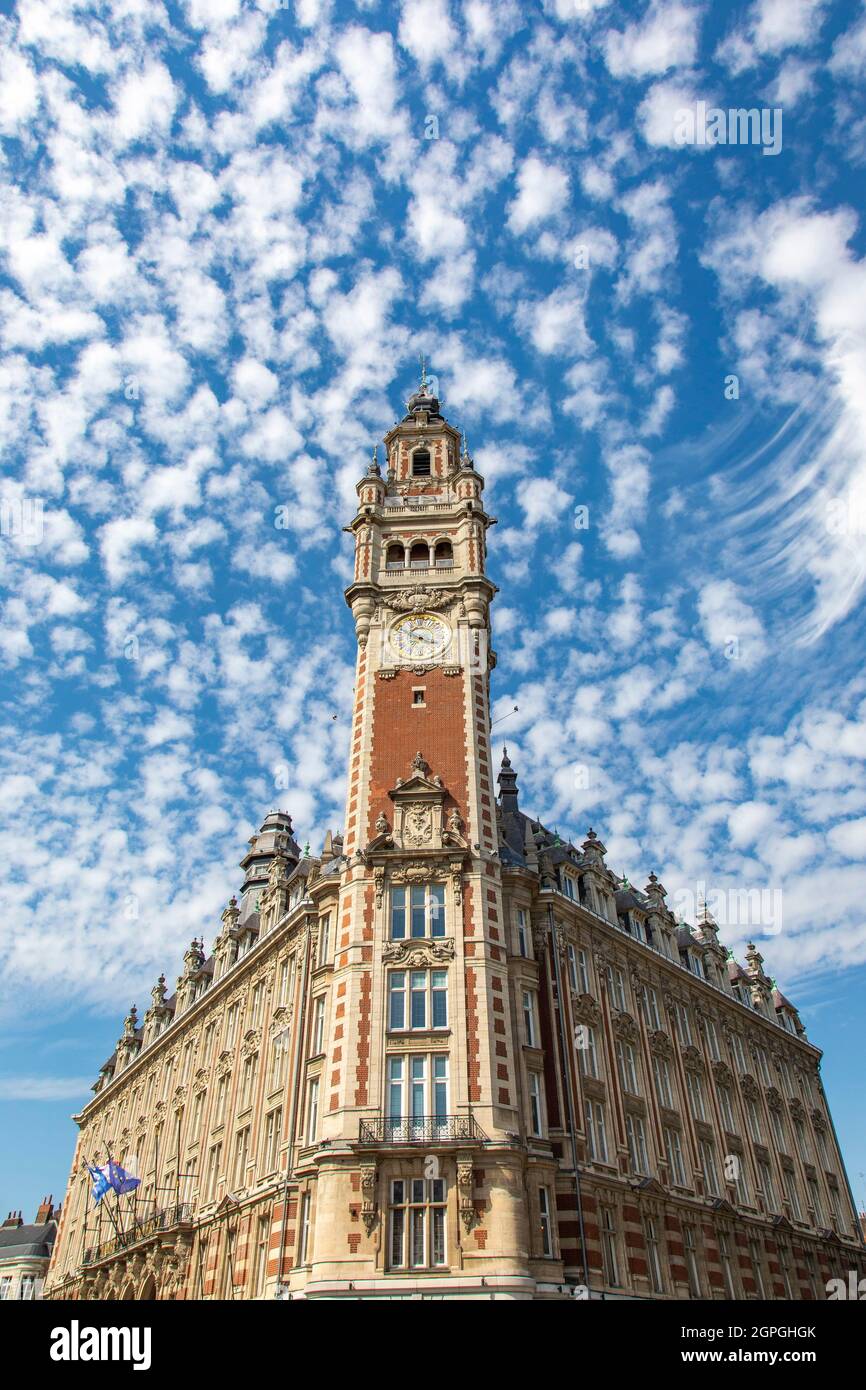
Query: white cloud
point(542, 192)
point(667, 37)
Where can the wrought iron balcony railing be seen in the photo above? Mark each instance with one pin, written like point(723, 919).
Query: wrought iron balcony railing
point(140, 1228)
point(421, 1129)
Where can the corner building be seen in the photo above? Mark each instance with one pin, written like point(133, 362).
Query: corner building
point(454, 1056)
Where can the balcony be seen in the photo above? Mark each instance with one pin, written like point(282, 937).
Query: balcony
point(140, 1229)
point(421, 1129)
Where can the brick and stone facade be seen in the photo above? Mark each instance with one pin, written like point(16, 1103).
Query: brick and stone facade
point(453, 1055)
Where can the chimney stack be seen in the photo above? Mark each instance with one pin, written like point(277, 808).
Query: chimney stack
point(46, 1211)
point(13, 1219)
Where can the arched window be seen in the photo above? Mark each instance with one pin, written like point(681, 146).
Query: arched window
point(394, 557)
point(419, 555)
point(444, 554)
point(421, 463)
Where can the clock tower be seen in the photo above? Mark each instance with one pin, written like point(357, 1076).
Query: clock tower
point(420, 1111)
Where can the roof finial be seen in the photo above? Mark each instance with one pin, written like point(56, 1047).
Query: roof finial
point(423, 360)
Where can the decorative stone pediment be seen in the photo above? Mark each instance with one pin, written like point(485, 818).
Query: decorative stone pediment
point(281, 1017)
point(179, 1098)
point(224, 1063)
point(818, 1119)
point(415, 952)
point(723, 1074)
point(419, 809)
point(252, 1038)
point(625, 1027)
point(692, 1059)
point(661, 1044)
point(750, 1087)
point(774, 1099)
point(200, 1080)
point(796, 1107)
point(586, 1010)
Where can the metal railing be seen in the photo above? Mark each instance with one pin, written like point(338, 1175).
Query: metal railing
point(141, 1228)
point(421, 1129)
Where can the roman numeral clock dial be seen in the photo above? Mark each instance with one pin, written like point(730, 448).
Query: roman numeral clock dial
point(420, 637)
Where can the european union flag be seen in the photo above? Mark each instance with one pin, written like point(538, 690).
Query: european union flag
point(101, 1185)
point(120, 1180)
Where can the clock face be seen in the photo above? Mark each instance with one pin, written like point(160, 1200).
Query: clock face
point(420, 637)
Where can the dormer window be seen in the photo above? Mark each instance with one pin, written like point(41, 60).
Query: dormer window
point(421, 464)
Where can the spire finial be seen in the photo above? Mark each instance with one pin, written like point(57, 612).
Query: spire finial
point(423, 360)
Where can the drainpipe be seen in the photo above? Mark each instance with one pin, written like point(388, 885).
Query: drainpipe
point(569, 1092)
point(293, 1114)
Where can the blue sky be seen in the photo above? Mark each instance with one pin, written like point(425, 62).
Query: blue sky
point(228, 230)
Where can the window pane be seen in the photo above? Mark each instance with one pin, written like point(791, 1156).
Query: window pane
point(437, 1256)
point(398, 913)
point(398, 1219)
point(419, 999)
point(417, 904)
point(397, 1015)
point(417, 1235)
point(437, 909)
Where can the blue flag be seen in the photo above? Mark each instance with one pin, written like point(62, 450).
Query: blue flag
point(120, 1180)
point(101, 1185)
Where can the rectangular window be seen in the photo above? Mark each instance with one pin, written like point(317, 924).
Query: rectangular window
point(313, 1111)
point(231, 1025)
point(248, 1076)
point(654, 1264)
point(608, 1246)
point(5, 1287)
point(663, 1081)
point(758, 1267)
point(650, 1006)
point(793, 1194)
point(420, 910)
point(737, 1052)
point(626, 1066)
point(767, 1185)
point(587, 1054)
point(690, 1250)
point(674, 1152)
point(712, 1040)
point(273, 1129)
point(763, 1069)
point(278, 1060)
point(324, 939)
point(318, 1030)
point(727, 1265)
point(636, 1137)
point(28, 1287)
point(616, 985)
point(683, 1022)
point(535, 1102)
point(544, 1215)
point(583, 971)
point(242, 1153)
point(256, 1005)
point(304, 1228)
point(223, 1084)
point(727, 1109)
point(428, 999)
point(695, 1088)
point(753, 1121)
point(572, 967)
point(213, 1168)
point(778, 1128)
point(521, 933)
point(815, 1202)
point(568, 887)
point(708, 1163)
point(529, 1029)
point(417, 1092)
point(262, 1237)
point(596, 1134)
point(417, 1223)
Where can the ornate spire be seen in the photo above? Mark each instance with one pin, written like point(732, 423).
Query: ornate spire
point(507, 780)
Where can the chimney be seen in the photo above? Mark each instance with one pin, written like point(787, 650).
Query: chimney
point(46, 1211)
point(13, 1219)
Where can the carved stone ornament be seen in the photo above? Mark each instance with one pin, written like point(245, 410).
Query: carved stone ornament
point(692, 1059)
point(379, 882)
point(464, 1194)
point(420, 600)
point(417, 824)
point(661, 1044)
point(415, 953)
point(723, 1074)
point(749, 1087)
point(200, 1081)
point(417, 872)
point(625, 1027)
point(369, 1213)
point(224, 1063)
point(585, 1009)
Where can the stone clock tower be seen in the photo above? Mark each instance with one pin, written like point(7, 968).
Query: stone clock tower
point(421, 1082)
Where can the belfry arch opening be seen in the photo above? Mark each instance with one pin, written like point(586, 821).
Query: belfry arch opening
point(421, 463)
